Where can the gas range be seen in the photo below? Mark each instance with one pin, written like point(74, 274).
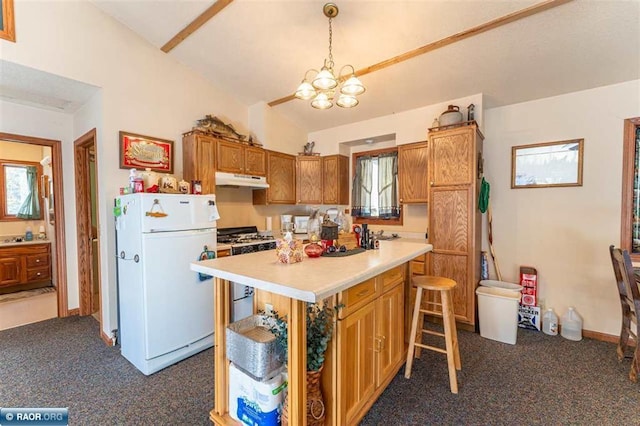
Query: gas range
point(245, 239)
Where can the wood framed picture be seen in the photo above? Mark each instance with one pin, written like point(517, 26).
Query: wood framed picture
point(7, 23)
point(549, 164)
point(145, 152)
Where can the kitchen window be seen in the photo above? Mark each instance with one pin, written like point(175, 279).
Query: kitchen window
point(374, 197)
point(19, 195)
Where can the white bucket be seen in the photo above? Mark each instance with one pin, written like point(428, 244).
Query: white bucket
point(498, 313)
point(501, 284)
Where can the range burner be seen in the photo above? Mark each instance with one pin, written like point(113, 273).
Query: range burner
point(245, 240)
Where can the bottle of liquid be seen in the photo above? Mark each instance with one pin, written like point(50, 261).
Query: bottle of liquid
point(571, 325)
point(28, 235)
point(550, 322)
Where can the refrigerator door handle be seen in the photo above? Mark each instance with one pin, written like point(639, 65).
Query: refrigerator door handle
point(135, 258)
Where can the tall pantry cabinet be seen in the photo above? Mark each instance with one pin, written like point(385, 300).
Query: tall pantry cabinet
point(454, 219)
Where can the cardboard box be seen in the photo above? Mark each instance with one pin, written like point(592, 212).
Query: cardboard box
point(529, 283)
point(529, 317)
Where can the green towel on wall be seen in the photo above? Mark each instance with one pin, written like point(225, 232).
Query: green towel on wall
point(483, 198)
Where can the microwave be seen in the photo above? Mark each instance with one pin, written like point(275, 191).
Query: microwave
point(300, 224)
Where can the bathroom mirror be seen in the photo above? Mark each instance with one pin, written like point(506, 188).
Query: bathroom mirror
point(547, 164)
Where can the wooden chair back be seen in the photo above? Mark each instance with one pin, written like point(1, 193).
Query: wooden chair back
point(626, 281)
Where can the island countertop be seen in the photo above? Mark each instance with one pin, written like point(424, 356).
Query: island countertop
point(313, 279)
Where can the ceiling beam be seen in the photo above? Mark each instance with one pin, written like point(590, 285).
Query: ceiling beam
point(212, 11)
point(495, 23)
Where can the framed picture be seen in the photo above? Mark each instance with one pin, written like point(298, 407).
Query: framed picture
point(7, 29)
point(145, 152)
point(547, 164)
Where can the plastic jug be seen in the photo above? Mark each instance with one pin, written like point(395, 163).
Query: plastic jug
point(571, 325)
point(550, 322)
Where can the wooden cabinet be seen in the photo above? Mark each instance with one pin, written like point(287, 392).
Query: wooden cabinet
point(309, 179)
point(198, 160)
point(370, 342)
point(454, 219)
point(413, 172)
point(335, 179)
point(234, 157)
point(281, 176)
point(223, 253)
point(25, 264)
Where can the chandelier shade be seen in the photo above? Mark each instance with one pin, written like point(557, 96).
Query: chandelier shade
point(322, 87)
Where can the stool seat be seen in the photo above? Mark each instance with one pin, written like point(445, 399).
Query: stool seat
point(429, 282)
point(444, 286)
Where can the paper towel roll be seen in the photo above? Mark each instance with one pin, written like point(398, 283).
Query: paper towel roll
point(269, 223)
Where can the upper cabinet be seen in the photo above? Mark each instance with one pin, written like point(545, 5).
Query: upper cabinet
point(234, 157)
point(335, 179)
point(281, 176)
point(412, 172)
point(309, 179)
point(198, 160)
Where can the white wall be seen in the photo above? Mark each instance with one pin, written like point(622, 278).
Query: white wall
point(143, 91)
point(563, 232)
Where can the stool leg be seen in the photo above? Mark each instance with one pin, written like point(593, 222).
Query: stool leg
point(414, 328)
point(418, 350)
point(447, 314)
point(454, 338)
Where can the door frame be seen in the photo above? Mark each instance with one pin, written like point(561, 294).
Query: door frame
point(58, 226)
point(81, 147)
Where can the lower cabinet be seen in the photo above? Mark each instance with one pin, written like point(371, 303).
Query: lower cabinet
point(370, 346)
point(25, 264)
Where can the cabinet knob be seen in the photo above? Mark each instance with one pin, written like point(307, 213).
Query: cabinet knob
point(37, 260)
point(39, 273)
point(431, 183)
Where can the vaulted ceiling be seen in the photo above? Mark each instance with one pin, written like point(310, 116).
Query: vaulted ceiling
point(259, 50)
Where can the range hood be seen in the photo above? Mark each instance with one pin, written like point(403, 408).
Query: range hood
point(233, 179)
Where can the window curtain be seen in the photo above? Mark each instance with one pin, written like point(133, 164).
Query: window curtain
point(388, 199)
point(361, 189)
point(30, 208)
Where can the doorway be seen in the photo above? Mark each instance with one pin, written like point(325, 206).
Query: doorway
point(87, 226)
point(56, 217)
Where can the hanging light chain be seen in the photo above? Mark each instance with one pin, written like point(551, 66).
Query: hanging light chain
point(330, 44)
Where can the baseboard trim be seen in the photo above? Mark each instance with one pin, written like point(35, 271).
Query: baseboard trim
point(72, 312)
point(596, 335)
point(106, 339)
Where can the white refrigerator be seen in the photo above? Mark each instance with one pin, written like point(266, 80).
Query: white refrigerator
point(165, 310)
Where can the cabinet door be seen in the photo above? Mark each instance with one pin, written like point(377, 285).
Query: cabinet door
point(390, 336)
point(412, 173)
point(255, 161)
point(451, 213)
point(335, 179)
point(452, 157)
point(230, 157)
point(357, 371)
point(198, 161)
point(281, 176)
point(309, 179)
point(9, 270)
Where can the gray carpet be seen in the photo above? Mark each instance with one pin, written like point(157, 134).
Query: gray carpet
point(541, 380)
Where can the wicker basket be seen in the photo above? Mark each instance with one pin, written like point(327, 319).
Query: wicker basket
point(315, 402)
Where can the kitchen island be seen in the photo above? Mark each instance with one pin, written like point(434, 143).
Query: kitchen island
point(373, 287)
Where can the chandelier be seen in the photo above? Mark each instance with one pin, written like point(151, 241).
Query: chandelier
point(323, 85)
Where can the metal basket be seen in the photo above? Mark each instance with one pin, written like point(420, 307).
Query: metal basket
point(252, 347)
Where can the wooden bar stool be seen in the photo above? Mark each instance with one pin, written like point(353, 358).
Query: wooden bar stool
point(444, 286)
